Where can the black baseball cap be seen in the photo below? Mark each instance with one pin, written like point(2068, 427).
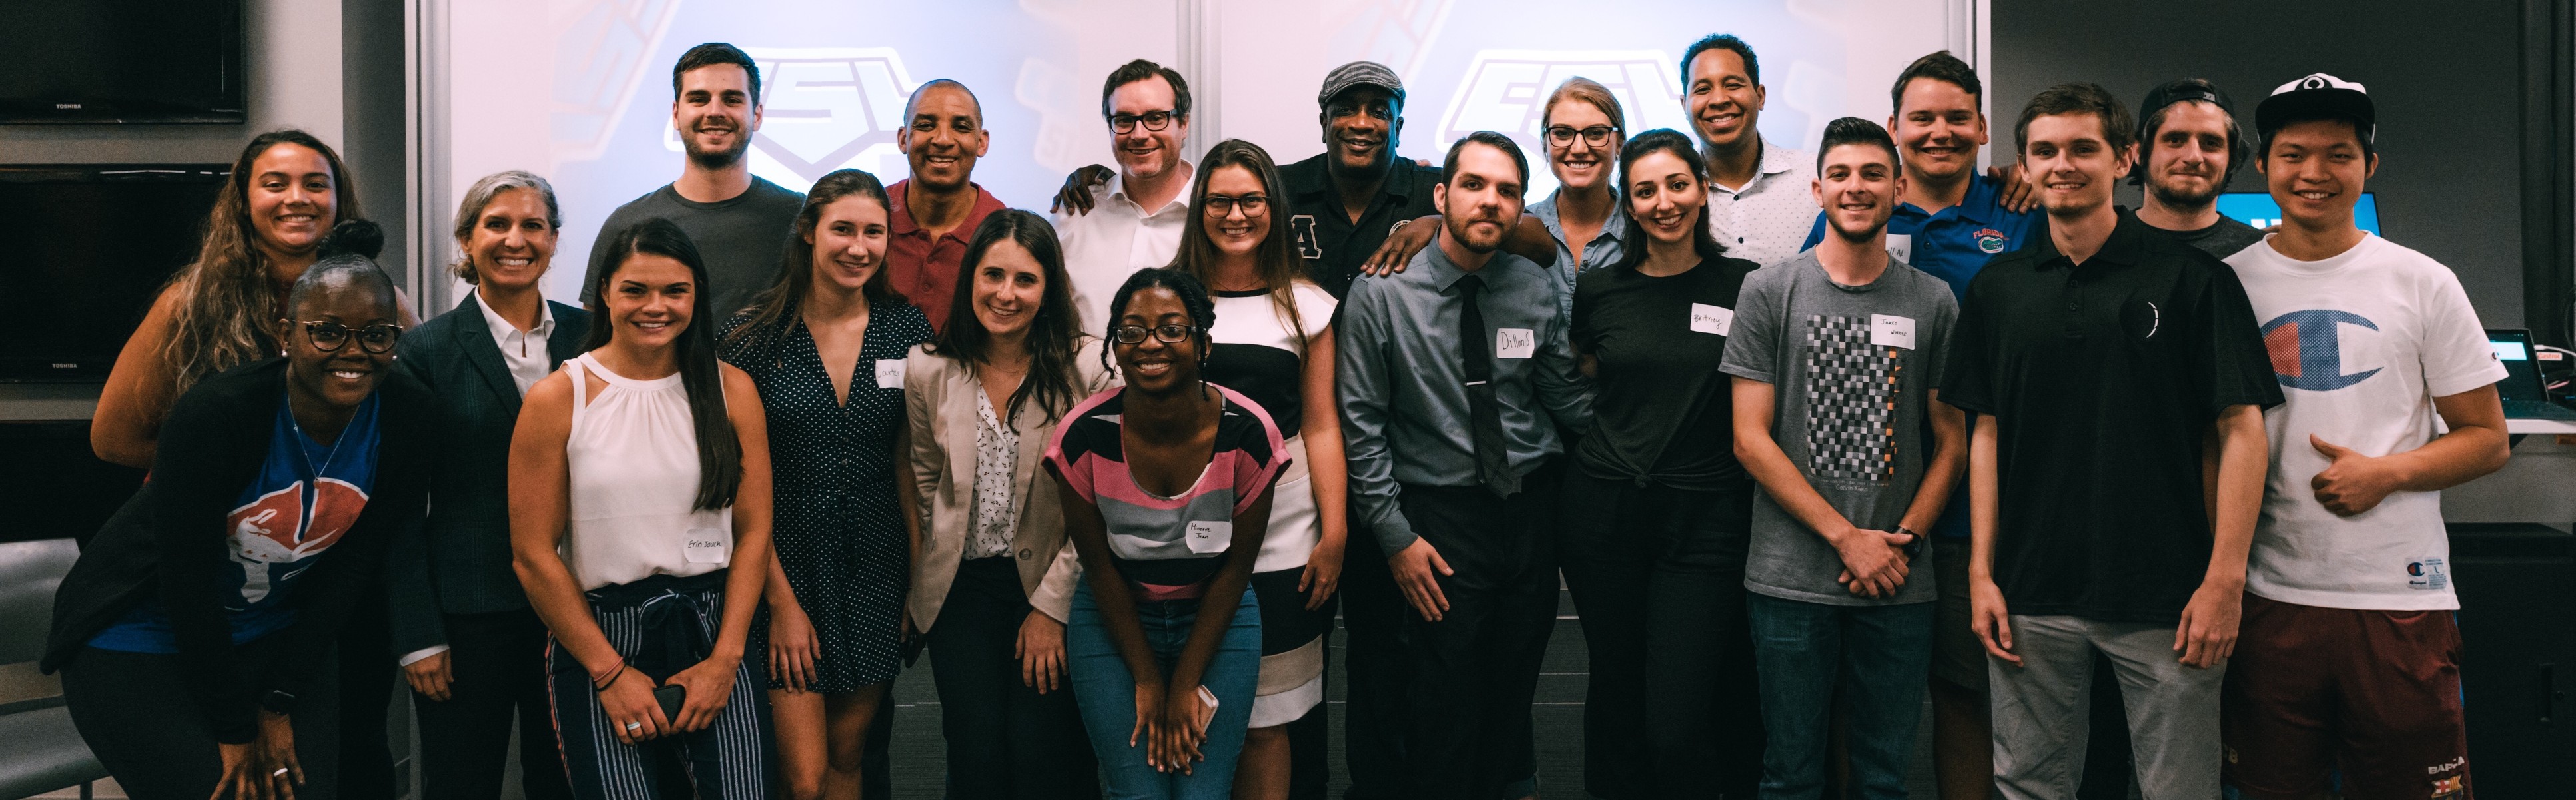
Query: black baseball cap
point(1360, 73)
point(2184, 90)
point(2315, 96)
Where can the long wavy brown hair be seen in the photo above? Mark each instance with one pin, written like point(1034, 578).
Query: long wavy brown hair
point(226, 301)
point(1280, 266)
point(1052, 381)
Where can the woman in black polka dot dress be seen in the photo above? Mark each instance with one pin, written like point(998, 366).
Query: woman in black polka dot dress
point(826, 345)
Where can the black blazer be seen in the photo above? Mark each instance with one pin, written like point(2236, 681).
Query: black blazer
point(459, 561)
point(169, 539)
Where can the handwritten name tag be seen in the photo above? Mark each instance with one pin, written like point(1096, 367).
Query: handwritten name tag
point(1515, 343)
point(1707, 318)
point(1210, 537)
point(1887, 330)
point(706, 545)
point(890, 373)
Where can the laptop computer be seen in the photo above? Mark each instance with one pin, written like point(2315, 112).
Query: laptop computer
point(2524, 395)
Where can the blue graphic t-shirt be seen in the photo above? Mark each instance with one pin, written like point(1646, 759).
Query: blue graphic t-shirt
point(306, 497)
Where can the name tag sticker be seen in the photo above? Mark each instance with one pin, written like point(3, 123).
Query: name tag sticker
point(1887, 330)
point(890, 373)
point(1707, 318)
point(1515, 343)
point(707, 545)
point(1901, 247)
point(1210, 537)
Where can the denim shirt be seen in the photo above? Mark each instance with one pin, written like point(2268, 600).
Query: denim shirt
point(1603, 251)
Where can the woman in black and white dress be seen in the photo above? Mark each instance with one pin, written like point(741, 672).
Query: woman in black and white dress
point(1274, 344)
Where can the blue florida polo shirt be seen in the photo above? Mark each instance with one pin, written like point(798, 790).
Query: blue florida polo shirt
point(1954, 245)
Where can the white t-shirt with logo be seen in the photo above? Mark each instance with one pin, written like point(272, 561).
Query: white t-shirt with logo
point(2362, 343)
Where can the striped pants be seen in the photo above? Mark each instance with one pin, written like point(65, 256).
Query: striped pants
point(661, 625)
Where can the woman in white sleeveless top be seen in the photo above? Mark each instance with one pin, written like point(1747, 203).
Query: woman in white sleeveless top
point(639, 524)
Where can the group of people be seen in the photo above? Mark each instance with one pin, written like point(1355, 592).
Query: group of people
point(1119, 471)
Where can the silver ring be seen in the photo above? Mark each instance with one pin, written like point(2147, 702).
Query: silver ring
point(632, 727)
point(280, 773)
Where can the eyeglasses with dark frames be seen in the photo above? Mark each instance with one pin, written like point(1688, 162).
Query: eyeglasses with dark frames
point(1168, 334)
point(1597, 135)
point(1154, 121)
point(1219, 205)
point(330, 336)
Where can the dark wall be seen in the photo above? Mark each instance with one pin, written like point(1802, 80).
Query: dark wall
point(2446, 77)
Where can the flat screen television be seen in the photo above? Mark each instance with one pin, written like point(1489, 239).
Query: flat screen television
point(121, 61)
point(89, 247)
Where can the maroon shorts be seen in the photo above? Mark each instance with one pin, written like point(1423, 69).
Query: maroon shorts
point(2374, 695)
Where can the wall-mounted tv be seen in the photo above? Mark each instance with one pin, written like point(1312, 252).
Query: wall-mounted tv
point(89, 247)
point(91, 61)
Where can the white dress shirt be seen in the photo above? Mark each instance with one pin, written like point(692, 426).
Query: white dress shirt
point(1767, 218)
point(1119, 237)
point(524, 352)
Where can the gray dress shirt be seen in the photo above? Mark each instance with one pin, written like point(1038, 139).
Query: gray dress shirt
point(1403, 386)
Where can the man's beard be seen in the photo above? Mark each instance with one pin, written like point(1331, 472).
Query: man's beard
point(1459, 232)
point(716, 159)
point(1855, 237)
point(2180, 200)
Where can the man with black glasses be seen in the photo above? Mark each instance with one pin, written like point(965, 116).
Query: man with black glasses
point(1138, 223)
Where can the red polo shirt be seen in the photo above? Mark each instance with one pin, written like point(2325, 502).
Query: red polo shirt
point(925, 269)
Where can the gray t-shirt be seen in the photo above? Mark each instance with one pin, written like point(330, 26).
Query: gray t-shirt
point(1850, 368)
point(2223, 239)
point(743, 239)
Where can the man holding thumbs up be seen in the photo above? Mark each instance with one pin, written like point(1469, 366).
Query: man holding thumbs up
point(2348, 654)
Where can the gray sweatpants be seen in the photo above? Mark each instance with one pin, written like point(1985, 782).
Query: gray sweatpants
point(2040, 709)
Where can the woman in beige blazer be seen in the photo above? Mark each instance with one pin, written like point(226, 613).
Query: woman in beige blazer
point(992, 575)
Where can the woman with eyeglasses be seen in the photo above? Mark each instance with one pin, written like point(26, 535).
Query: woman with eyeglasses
point(198, 632)
point(474, 650)
point(286, 191)
point(825, 343)
point(639, 526)
point(994, 581)
point(1582, 125)
point(1274, 344)
point(1165, 484)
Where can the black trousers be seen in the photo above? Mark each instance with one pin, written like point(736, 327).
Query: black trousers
point(1658, 579)
point(499, 664)
point(1378, 661)
point(367, 678)
point(1475, 671)
point(1005, 740)
point(139, 717)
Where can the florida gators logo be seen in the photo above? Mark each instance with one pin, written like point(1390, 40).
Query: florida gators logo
point(2307, 349)
point(1991, 241)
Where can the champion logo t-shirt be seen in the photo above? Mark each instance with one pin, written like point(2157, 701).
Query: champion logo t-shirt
point(2361, 343)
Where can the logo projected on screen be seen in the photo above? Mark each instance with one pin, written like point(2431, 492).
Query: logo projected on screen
point(1506, 91)
point(826, 109)
point(600, 67)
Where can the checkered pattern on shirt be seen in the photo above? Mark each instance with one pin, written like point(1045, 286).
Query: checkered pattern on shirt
point(1851, 401)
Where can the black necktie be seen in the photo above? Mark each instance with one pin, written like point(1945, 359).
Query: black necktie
point(1485, 417)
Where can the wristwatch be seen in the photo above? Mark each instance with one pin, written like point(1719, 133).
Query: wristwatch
point(277, 701)
point(1399, 225)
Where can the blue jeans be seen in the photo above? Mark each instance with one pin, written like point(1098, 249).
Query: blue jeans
point(1875, 657)
point(1106, 691)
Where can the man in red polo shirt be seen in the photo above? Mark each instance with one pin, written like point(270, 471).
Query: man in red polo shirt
point(936, 210)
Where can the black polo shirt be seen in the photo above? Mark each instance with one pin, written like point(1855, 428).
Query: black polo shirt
point(2103, 379)
point(1333, 245)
